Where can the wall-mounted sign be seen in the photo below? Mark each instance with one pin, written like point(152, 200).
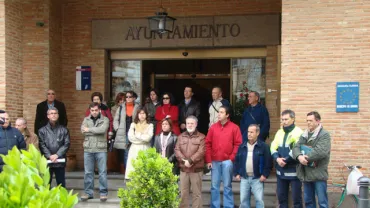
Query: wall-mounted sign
point(189, 32)
point(83, 78)
point(348, 96)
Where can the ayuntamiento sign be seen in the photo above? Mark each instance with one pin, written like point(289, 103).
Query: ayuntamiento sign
point(217, 31)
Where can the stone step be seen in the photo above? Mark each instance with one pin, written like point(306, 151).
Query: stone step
point(80, 175)
point(114, 202)
point(114, 185)
point(75, 181)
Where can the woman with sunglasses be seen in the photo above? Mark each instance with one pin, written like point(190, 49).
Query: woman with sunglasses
point(167, 109)
point(121, 124)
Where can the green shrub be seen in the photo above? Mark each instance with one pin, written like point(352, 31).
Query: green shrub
point(152, 183)
point(24, 182)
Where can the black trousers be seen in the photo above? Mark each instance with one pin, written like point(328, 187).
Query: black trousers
point(283, 190)
point(60, 175)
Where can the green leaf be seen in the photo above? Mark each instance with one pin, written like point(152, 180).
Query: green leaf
point(152, 183)
point(24, 182)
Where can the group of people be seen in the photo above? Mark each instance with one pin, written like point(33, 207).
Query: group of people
point(227, 150)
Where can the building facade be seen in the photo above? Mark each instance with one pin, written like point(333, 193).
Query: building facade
point(312, 46)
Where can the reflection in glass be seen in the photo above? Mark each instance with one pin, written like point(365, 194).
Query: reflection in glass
point(126, 75)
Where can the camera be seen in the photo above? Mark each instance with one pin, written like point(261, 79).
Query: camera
point(185, 53)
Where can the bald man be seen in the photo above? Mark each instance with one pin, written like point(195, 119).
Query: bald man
point(29, 137)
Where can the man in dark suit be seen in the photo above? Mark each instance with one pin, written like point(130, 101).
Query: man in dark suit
point(188, 107)
point(43, 107)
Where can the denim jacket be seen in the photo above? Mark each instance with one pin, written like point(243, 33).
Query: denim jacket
point(262, 160)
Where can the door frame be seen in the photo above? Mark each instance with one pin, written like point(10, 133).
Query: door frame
point(167, 54)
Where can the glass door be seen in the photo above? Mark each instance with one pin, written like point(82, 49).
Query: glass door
point(248, 74)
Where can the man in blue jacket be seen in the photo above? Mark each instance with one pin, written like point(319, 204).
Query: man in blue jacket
point(252, 167)
point(9, 137)
point(256, 114)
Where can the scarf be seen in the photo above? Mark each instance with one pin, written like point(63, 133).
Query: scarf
point(164, 140)
point(288, 128)
point(141, 127)
point(315, 133)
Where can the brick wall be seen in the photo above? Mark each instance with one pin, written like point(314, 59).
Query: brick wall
point(323, 43)
point(55, 46)
point(35, 58)
point(42, 46)
point(273, 83)
point(10, 61)
point(77, 16)
point(2, 55)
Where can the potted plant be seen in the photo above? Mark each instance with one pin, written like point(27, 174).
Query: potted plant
point(152, 183)
point(24, 182)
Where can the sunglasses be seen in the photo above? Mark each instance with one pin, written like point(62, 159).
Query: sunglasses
point(166, 98)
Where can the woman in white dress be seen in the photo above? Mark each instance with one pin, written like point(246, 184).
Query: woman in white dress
point(140, 135)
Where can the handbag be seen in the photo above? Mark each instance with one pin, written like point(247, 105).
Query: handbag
point(113, 138)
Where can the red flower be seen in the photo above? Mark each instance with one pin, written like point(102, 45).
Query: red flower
point(241, 95)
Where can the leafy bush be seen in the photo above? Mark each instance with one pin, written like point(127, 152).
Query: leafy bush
point(24, 182)
point(152, 183)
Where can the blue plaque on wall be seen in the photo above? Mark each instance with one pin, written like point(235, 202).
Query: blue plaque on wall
point(83, 78)
point(348, 96)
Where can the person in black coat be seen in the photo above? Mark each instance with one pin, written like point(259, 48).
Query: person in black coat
point(42, 108)
point(165, 143)
point(9, 137)
point(188, 107)
point(54, 144)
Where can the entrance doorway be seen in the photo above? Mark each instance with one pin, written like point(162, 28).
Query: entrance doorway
point(201, 74)
point(237, 70)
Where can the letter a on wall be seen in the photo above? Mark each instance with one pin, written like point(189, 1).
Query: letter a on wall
point(83, 78)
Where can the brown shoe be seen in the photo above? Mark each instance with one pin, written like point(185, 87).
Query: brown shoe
point(103, 198)
point(85, 197)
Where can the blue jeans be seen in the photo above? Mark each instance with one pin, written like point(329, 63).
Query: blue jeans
point(283, 191)
point(222, 170)
point(89, 163)
point(318, 188)
point(247, 186)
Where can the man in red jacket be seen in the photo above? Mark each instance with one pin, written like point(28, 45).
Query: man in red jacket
point(222, 143)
